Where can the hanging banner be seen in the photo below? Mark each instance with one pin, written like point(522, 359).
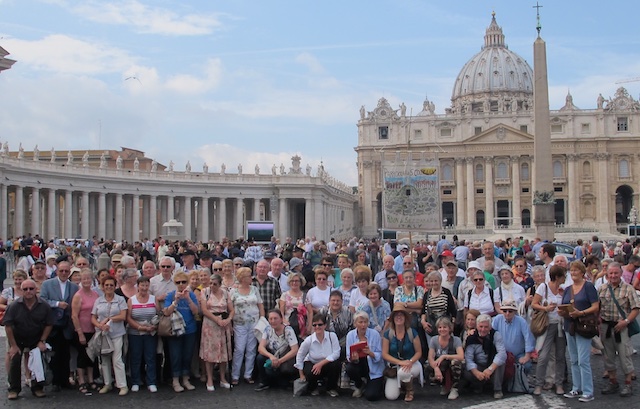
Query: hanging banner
point(411, 196)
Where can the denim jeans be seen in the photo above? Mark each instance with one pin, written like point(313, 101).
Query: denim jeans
point(180, 351)
point(580, 357)
point(143, 347)
point(246, 346)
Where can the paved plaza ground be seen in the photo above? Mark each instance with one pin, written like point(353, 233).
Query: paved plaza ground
point(243, 396)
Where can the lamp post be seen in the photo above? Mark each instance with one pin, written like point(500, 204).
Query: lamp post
point(633, 218)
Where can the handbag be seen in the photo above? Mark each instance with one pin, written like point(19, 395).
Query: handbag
point(164, 326)
point(633, 328)
point(390, 372)
point(519, 383)
point(540, 319)
point(299, 387)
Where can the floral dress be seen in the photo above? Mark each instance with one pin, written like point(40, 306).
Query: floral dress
point(215, 344)
point(246, 311)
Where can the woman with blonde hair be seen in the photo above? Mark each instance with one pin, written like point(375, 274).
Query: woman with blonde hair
point(248, 308)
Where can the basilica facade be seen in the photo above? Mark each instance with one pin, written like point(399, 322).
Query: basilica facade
point(484, 143)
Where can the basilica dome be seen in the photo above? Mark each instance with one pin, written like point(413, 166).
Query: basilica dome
point(495, 73)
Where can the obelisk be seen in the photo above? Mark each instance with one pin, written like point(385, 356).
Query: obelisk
point(543, 201)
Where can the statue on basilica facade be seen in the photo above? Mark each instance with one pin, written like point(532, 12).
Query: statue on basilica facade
point(403, 110)
point(282, 168)
point(154, 166)
point(486, 105)
point(223, 169)
point(103, 160)
point(187, 167)
point(171, 164)
point(501, 103)
point(36, 154)
point(119, 162)
point(85, 159)
point(239, 168)
point(53, 155)
point(295, 161)
point(69, 158)
point(5, 148)
point(20, 151)
point(205, 168)
point(136, 165)
point(308, 170)
point(273, 169)
point(257, 169)
point(600, 101)
point(362, 112)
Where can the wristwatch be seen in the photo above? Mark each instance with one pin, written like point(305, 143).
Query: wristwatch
point(626, 320)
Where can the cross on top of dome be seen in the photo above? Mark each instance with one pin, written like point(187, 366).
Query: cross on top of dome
point(494, 36)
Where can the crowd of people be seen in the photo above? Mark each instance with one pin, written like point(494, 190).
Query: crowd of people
point(378, 319)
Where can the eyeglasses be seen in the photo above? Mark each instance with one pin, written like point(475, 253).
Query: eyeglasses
point(237, 264)
point(28, 288)
point(478, 279)
point(181, 282)
point(392, 278)
point(166, 266)
point(217, 269)
point(327, 265)
point(215, 284)
point(321, 279)
point(509, 312)
point(108, 285)
point(519, 265)
point(407, 263)
point(317, 325)
point(403, 250)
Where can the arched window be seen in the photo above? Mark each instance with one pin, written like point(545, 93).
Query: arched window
point(558, 170)
point(524, 172)
point(526, 217)
point(480, 218)
point(503, 173)
point(479, 173)
point(623, 168)
point(586, 169)
point(447, 172)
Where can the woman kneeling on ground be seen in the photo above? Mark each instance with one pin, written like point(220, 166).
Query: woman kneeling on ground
point(445, 358)
point(277, 352)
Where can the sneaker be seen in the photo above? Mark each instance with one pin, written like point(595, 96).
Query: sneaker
point(572, 394)
point(537, 391)
point(586, 398)
point(453, 394)
point(497, 395)
point(135, 388)
point(610, 389)
point(333, 393)
point(152, 388)
point(261, 387)
point(626, 391)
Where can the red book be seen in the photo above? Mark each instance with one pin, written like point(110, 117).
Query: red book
point(358, 348)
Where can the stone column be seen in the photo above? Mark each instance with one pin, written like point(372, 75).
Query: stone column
point(51, 214)
point(153, 217)
point(603, 193)
point(309, 218)
point(102, 215)
point(170, 208)
point(221, 226)
point(135, 217)
point(18, 215)
point(516, 207)
point(318, 222)
point(4, 199)
point(187, 218)
point(572, 182)
point(283, 216)
point(85, 216)
point(256, 209)
point(459, 193)
point(238, 228)
point(68, 214)
point(118, 217)
point(204, 220)
point(35, 212)
point(488, 183)
point(471, 208)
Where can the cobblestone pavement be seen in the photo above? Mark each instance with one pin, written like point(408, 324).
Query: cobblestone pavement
point(243, 396)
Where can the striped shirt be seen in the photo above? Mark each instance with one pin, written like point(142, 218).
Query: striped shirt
point(142, 313)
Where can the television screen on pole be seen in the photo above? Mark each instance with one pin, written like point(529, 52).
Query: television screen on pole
point(260, 232)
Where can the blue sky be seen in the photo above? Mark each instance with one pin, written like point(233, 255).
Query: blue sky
point(259, 81)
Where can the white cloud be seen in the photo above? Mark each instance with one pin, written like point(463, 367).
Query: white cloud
point(64, 54)
point(145, 18)
point(190, 84)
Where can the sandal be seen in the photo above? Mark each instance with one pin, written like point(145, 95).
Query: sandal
point(249, 381)
point(94, 386)
point(84, 388)
point(234, 382)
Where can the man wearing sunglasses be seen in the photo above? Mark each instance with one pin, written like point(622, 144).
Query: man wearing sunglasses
point(28, 322)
